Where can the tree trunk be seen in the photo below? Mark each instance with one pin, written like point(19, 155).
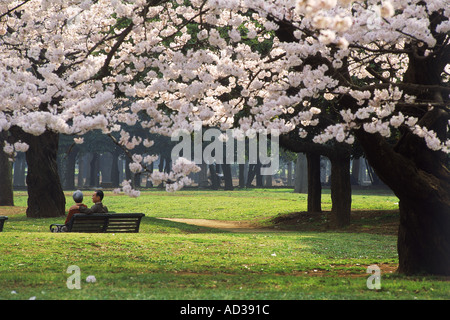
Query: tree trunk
point(20, 164)
point(149, 182)
point(259, 179)
point(167, 163)
point(203, 175)
point(268, 180)
point(105, 168)
point(137, 180)
point(227, 175)
point(341, 191)
point(301, 174)
point(6, 187)
point(250, 175)
point(45, 194)
point(94, 177)
point(339, 156)
point(115, 170)
point(128, 171)
point(214, 178)
point(424, 239)
point(354, 179)
point(70, 168)
point(289, 174)
point(241, 175)
point(421, 182)
point(314, 185)
point(83, 169)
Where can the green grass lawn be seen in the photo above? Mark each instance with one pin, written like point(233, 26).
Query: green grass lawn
point(170, 260)
point(241, 204)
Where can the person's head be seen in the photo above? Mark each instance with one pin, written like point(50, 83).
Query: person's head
point(97, 196)
point(78, 196)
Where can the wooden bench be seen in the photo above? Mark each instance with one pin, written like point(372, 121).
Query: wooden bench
point(101, 223)
point(2, 222)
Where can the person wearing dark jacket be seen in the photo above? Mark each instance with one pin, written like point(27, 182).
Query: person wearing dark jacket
point(98, 206)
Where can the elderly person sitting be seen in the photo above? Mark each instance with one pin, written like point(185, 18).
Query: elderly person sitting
point(98, 206)
point(78, 198)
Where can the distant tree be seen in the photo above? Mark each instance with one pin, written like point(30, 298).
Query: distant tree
point(6, 185)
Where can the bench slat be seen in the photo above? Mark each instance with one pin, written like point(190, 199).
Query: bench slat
point(108, 222)
point(113, 222)
point(122, 227)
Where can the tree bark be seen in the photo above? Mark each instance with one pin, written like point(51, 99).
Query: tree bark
point(258, 175)
point(241, 175)
point(301, 174)
point(228, 177)
point(137, 180)
point(45, 194)
point(149, 182)
point(6, 187)
point(20, 164)
point(115, 170)
point(314, 185)
point(422, 186)
point(354, 178)
point(289, 174)
point(341, 191)
point(94, 178)
point(214, 178)
point(250, 175)
point(203, 176)
point(83, 170)
point(70, 168)
point(268, 180)
point(128, 171)
point(423, 240)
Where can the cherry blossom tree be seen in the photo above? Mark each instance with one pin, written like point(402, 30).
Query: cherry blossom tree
point(329, 71)
point(392, 94)
point(63, 70)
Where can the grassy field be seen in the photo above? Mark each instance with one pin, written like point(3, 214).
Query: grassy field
point(172, 260)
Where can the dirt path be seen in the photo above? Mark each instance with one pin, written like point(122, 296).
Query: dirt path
point(232, 226)
point(383, 222)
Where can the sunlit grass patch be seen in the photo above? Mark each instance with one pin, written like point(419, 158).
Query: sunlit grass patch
point(172, 260)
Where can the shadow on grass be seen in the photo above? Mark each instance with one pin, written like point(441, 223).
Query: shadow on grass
point(384, 222)
point(150, 224)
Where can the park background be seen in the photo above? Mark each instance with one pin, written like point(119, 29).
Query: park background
point(99, 163)
point(256, 241)
point(280, 246)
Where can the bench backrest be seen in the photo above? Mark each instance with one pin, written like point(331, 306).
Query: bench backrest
point(2, 221)
point(105, 222)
